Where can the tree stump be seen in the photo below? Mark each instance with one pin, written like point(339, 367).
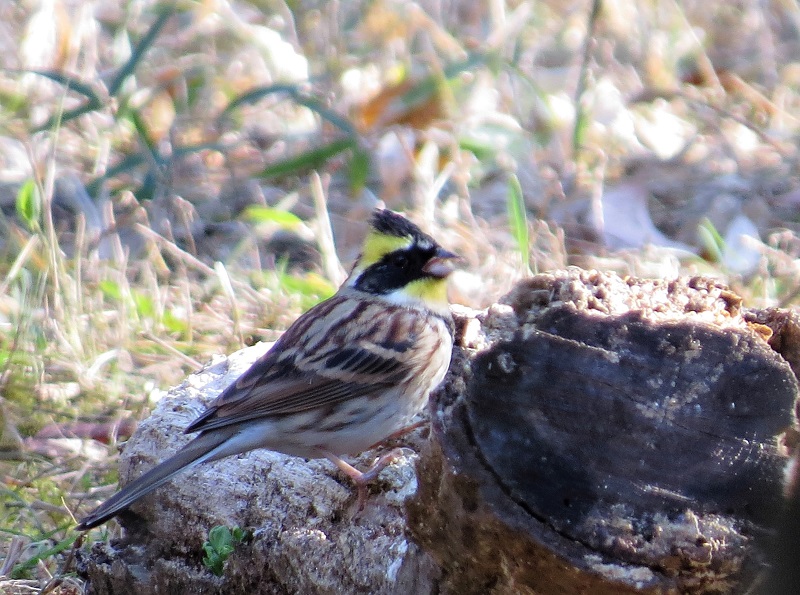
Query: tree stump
point(601, 435)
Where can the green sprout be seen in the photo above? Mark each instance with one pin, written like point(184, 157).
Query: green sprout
point(220, 544)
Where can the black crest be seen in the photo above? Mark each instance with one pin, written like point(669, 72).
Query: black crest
point(390, 223)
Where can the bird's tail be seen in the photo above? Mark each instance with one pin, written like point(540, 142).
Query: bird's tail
point(206, 447)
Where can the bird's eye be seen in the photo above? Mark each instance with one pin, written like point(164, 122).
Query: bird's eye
point(400, 261)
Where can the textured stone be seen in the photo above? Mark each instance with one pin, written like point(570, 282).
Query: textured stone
point(305, 535)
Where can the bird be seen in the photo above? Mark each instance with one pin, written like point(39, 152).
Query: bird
point(346, 375)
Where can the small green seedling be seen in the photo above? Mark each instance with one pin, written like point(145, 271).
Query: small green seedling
point(220, 544)
point(518, 220)
point(29, 205)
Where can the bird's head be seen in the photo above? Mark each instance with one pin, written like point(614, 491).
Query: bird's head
point(401, 263)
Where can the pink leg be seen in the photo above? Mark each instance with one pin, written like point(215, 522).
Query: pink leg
point(363, 479)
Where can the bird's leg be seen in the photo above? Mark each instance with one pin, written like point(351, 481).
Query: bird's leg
point(362, 479)
point(400, 433)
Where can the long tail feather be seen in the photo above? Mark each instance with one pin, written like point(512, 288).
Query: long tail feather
point(209, 446)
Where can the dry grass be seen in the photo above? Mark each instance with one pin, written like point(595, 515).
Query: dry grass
point(142, 142)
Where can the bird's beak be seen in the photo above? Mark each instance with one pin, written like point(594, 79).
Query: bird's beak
point(442, 264)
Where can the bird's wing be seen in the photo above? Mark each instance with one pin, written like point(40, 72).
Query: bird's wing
point(295, 376)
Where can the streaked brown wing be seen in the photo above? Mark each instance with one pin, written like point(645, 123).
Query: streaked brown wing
point(281, 398)
point(286, 380)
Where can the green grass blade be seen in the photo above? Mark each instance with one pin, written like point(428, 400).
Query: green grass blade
point(259, 214)
point(21, 569)
point(138, 52)
point(582, 121)
point(71, 83)
point(472, 61)
point(144, 134)
point(711, 240)
point(67, 116)
point(308, 160)
point(312, 288)
point(582, 118)
point(29, 205)
point(429, 86)
point(329, 115)
point(255, 95)
point(189, 149)
point(129, 163)
point(518, 219)
point(358, 170)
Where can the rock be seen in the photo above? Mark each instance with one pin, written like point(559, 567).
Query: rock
point(305, 538)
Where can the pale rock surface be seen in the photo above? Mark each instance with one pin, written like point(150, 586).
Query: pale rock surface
point(306, 535)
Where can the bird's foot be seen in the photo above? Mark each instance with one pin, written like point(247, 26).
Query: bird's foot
point(363, 478)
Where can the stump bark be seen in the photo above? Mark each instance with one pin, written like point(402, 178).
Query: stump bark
point(601, 435)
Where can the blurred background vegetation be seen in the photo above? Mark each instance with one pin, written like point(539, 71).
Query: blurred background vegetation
point(181, 179)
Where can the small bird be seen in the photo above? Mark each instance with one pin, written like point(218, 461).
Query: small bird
point(346, 375)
